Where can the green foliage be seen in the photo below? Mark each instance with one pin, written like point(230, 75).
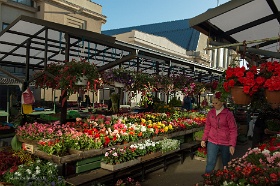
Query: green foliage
point(198, 135)
point(174, 102)
point(224, 94)
point(163, 108)
point(16, 145)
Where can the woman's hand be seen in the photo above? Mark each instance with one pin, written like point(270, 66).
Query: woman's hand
point(231, 150)
point(203, 144)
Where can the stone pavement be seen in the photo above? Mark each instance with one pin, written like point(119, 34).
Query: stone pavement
point(186, 174)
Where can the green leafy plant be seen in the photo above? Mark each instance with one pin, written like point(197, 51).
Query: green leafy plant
point(198, 135)
point(174, 102)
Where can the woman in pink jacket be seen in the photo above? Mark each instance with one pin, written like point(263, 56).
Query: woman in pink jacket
point(220, 133)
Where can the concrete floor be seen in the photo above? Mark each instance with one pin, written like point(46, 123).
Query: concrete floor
point(186, 174)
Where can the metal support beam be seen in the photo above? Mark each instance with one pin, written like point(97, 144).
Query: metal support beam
point(117, 62)
point(249, 50)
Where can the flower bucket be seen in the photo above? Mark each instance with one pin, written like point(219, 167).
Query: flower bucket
point(82, 81)
point(239, 97)
point(117, 84)
point(272, 96)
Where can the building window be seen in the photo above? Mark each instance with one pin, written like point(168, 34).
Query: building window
point(25, 2)
point(4, 25)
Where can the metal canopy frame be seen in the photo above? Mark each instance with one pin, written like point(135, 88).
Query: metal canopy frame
point(29, 44)
point(243, 20)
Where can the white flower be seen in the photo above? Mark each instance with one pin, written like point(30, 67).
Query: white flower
point(38, 161)
point(18, 174)
point(28, 171)
point(143, 128)
point(266, 152)
point(37, 168)
point(37, 171)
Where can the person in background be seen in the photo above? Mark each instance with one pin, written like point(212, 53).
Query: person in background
point(261, 131)
point(187, 102)
point(87, 100)
point(220, 133)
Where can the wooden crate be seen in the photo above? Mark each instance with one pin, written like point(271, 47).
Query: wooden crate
point(119, 166)
point(88, 164)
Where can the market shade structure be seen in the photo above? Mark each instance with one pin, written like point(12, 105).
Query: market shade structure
point(34, 43)
point(29, 44)
point(244, 20)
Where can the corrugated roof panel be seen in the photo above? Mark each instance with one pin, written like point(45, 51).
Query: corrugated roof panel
point(177, 31)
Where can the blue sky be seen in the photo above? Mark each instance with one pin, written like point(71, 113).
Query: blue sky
point(126, 13)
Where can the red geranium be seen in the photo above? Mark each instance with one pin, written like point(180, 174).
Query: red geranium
point(239, 76)
point(270, 71)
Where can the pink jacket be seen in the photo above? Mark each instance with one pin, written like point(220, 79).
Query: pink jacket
point(220, 129)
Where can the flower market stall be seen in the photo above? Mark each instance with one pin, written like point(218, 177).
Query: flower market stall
point(111, 143)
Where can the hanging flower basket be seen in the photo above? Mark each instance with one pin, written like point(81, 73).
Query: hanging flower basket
point(272, 96)
point(239, 97)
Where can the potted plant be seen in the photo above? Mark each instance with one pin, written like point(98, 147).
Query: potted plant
point(50, 78)
point(180, 81)
point(242, 83)
point(142, 81)
point(163, 83)
point(69, 76)
point(119, 77)
point(73, 74)
point(270, 72)
point(201, 154)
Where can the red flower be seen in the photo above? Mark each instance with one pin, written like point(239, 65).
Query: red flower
point(270, 71)
point(239, 76)
point(218, 95)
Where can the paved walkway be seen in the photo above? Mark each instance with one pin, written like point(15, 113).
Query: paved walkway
point(186, 174)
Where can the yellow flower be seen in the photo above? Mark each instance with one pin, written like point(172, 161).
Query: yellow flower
point(165, 129)
point(149, 121)
point(143, 120)
point(170, 126)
